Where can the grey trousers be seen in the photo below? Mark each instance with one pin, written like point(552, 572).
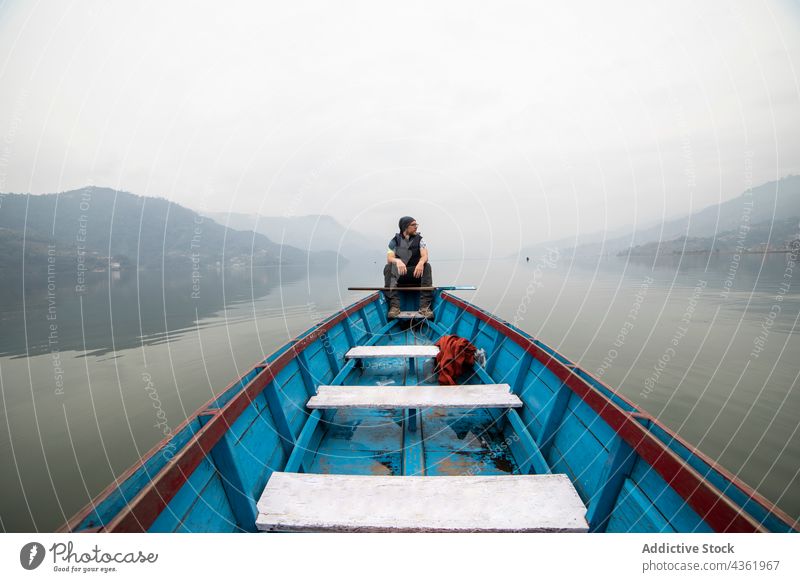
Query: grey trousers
point(392, 278)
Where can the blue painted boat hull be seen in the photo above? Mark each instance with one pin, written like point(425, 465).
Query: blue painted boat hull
point(632, 473)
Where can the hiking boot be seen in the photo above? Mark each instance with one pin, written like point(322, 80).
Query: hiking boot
point(426, 312)
point(394, 312)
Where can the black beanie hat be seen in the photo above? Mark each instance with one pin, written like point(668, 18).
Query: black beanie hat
point(404, 222)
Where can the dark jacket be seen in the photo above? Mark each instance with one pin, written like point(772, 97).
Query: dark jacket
point(410, 254)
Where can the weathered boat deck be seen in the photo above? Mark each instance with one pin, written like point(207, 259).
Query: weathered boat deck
point(446, 441)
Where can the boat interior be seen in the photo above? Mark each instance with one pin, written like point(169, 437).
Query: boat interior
point(527, 441)
point(429, 441)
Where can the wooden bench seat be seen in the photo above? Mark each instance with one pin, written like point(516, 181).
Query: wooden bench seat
point(380, 503)
point(410, 315)
point(385, 397)
point(398, 351)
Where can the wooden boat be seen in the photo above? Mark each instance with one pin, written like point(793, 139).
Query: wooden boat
point(345, 429)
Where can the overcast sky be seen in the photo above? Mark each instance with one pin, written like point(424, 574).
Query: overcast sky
point(496, 123)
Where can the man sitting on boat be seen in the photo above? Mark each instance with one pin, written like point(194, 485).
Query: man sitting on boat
point(407, 265)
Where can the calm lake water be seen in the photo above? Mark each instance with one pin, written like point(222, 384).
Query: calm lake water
point(708, 345)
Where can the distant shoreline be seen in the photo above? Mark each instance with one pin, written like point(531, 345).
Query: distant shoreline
point(705, 253)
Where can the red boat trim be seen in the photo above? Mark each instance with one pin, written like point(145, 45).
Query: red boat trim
point(87, 509)
point(148, 504)
point(751, 493)
point(713, 507)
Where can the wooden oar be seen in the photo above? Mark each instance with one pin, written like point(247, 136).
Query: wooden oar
point(447, 288)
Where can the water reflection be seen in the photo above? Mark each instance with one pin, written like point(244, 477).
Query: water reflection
point(127, 309)
point(80, 411)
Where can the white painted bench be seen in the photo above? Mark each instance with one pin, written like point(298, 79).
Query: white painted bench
point(384, 397)
point(380, 503)
point(398, 351)
point(410, 315)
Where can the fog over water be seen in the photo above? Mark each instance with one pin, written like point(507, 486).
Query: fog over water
point(495, 124)
point(500, 127)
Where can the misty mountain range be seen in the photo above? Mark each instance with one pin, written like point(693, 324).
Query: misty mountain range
point(104, 226)
point(95, 226)
point(768, 213)
point(314, 233)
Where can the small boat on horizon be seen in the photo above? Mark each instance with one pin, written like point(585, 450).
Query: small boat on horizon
point(346, 428)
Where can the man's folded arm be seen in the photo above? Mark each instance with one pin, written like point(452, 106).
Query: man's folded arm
point(423, 256)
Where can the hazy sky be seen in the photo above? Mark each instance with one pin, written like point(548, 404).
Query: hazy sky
point(492, 123)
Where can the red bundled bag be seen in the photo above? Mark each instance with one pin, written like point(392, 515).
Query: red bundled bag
point(456, 354)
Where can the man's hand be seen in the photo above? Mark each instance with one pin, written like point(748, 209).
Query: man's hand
point(401, 267)
point(420, 268)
